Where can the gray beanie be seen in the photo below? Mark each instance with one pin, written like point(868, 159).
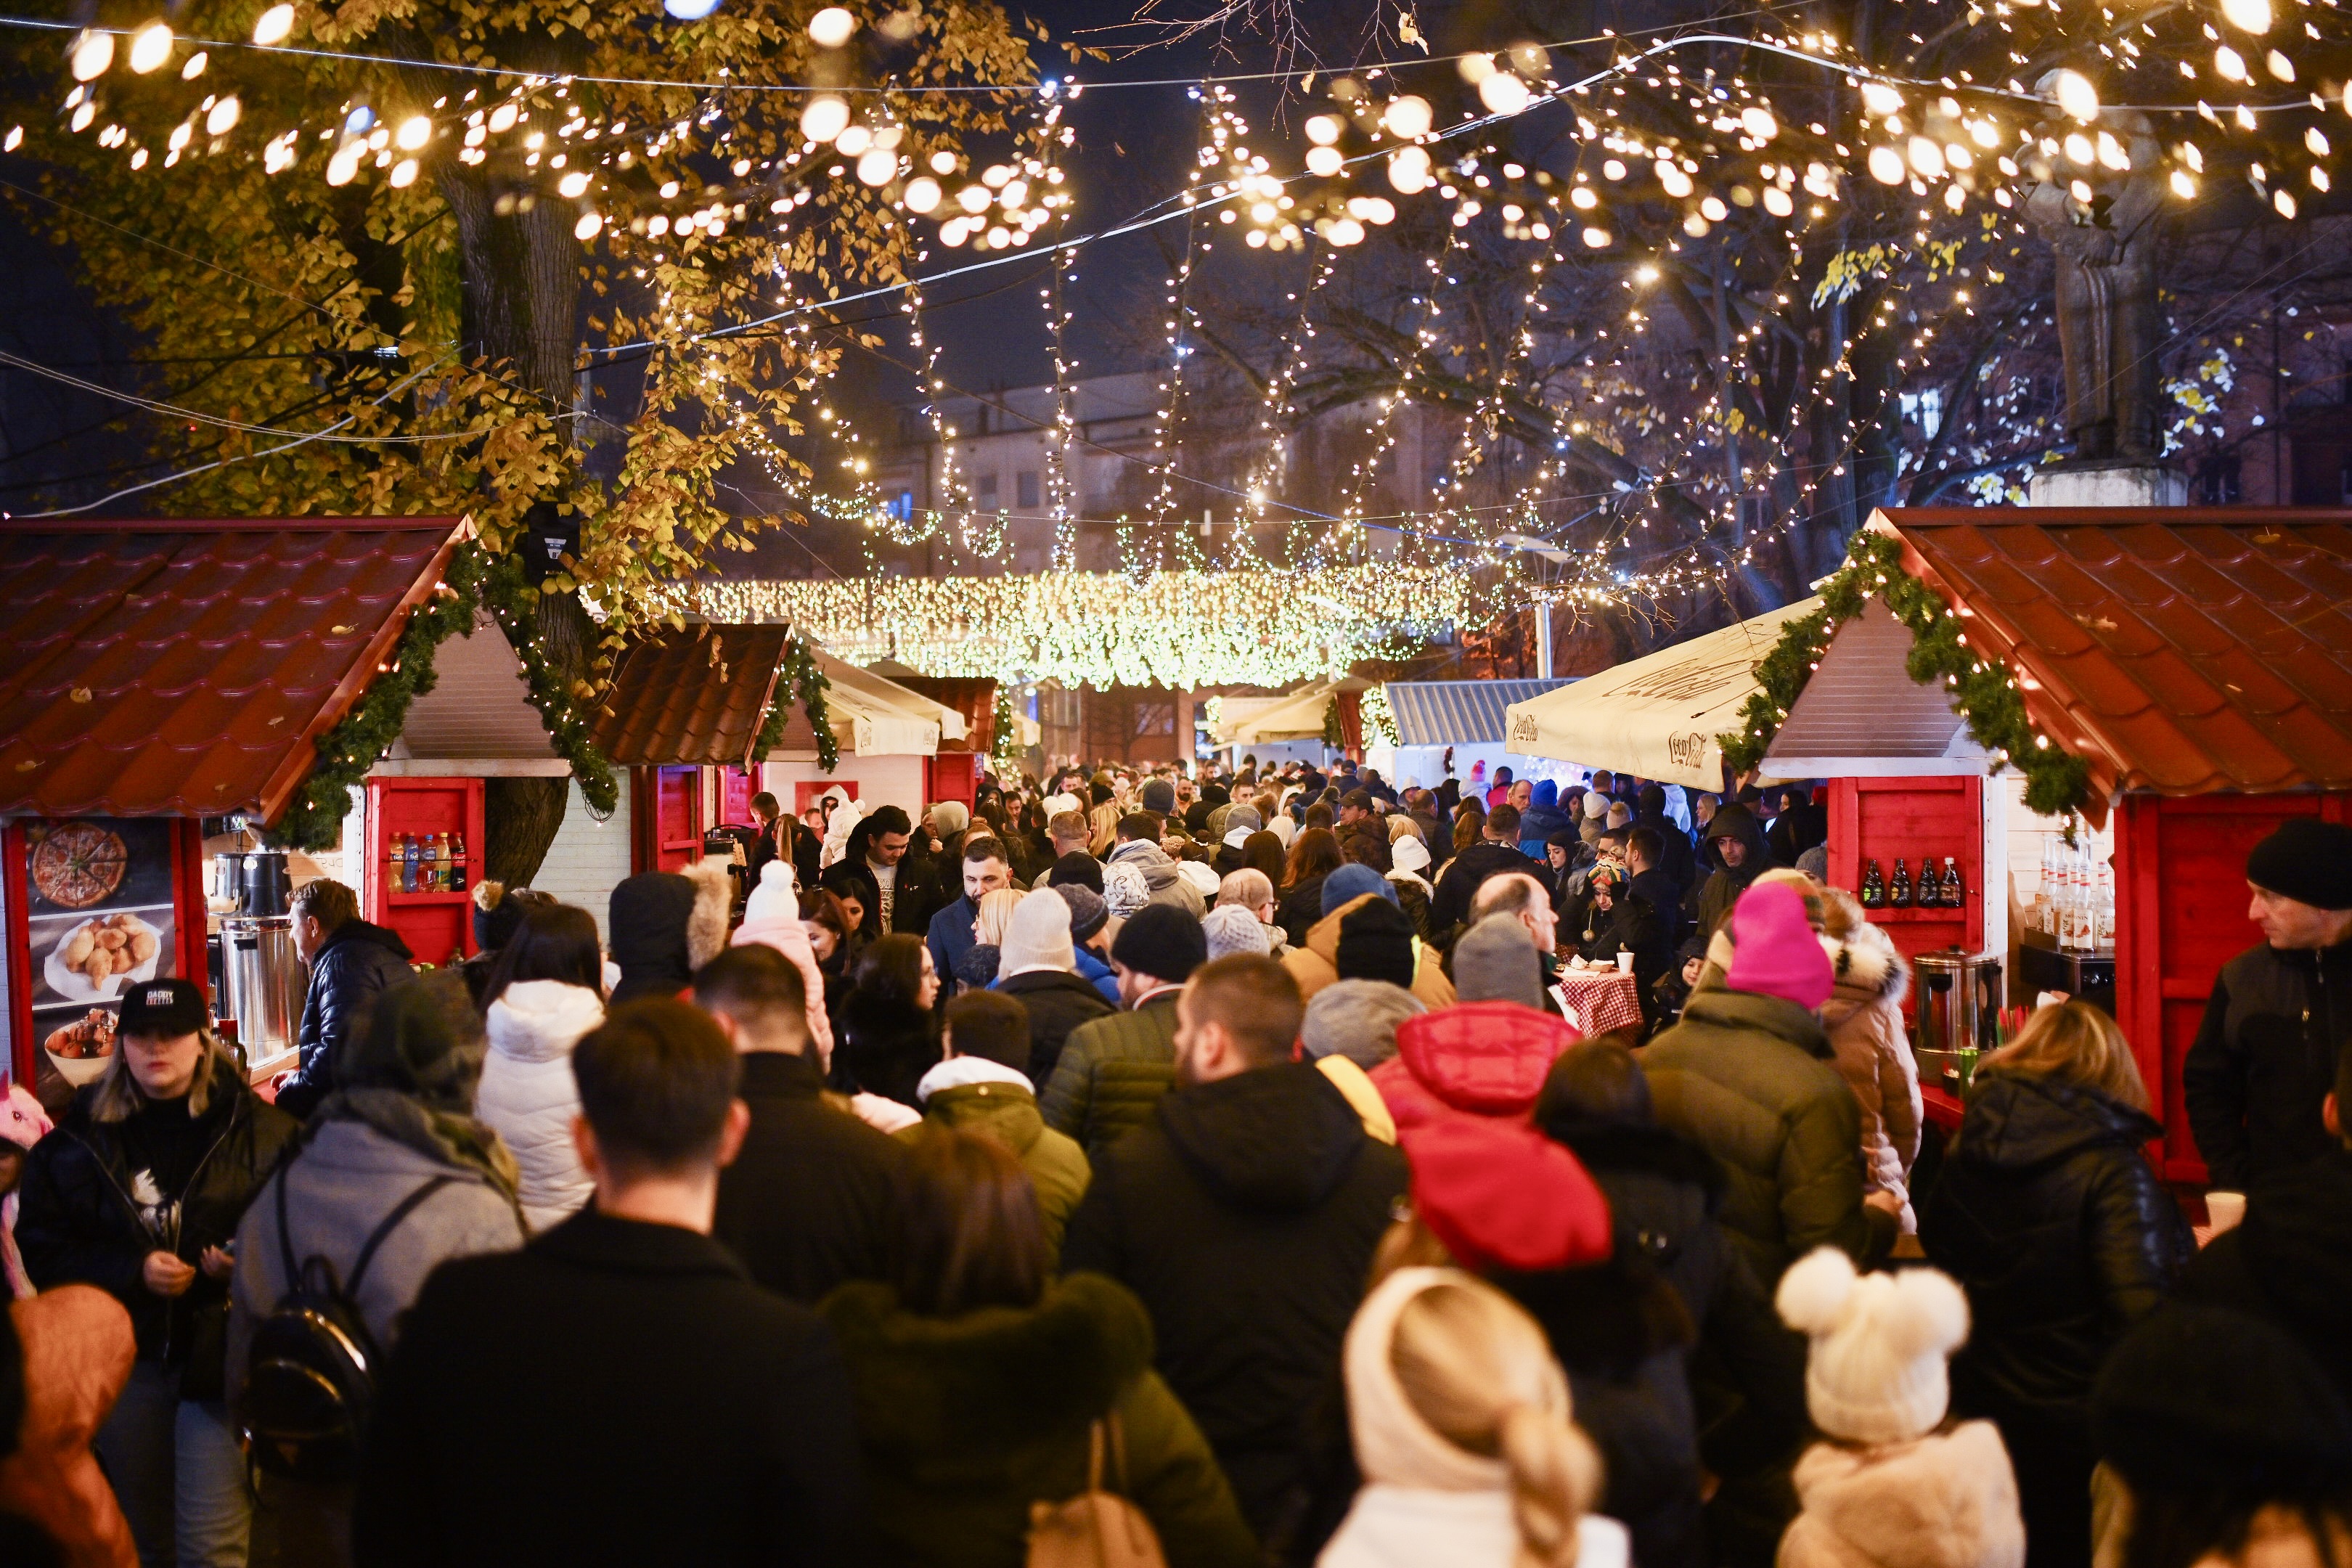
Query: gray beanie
point(1495, 961)
point(1242, 816)
point(1358, 1019)
point(1232, 929)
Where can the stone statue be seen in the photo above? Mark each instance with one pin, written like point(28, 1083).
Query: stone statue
point(2108, 327)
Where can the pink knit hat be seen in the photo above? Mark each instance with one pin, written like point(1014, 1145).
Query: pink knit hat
point(1775, 950)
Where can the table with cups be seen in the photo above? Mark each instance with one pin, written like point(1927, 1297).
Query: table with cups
point(1601, 998)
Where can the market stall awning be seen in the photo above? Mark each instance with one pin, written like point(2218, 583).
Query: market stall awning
point(187, 669)
point(1656, 717)
point(1458, 712)
point(1296, 717)
point(874, 716)
point(2185, 650)
point(696, 694)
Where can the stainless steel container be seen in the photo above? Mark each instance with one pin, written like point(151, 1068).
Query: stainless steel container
point(263, 887)
point(262, 983)
point(1958, 999)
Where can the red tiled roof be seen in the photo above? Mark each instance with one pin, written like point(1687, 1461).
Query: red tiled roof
point(696, 694)
point(188, 667)
point(2182, 650)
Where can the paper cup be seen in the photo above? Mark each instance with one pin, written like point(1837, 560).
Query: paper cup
point(1624, 963)
point(2224, 1211)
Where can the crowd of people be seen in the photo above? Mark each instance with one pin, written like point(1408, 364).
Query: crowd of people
point(1141, 1166)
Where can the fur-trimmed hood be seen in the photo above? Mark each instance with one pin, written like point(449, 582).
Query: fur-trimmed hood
point(706, 924)
point(1868, 970)
point(995, 1380)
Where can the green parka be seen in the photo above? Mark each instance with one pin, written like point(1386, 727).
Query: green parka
point(965, 1422)
point(1008, 1112)
point(1748, 1077)
point(1112, 1071)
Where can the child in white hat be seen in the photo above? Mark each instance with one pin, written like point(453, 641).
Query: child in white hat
point(1896, 1485)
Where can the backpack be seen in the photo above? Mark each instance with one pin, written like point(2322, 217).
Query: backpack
point(1096, 1529)
point(310, 1381)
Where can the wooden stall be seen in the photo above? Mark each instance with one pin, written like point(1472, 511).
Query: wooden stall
point(681, 701)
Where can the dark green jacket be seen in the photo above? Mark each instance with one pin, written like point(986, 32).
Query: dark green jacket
point(965, 1422)
point(1057, 1165)
point(1112, 1072)
point(1748, 1077)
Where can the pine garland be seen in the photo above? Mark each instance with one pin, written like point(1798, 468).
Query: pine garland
point(313, 820)
point(802, 681)
point(1004, 745)
point(511, 598)
point(1334, 734)
point(1983, 691)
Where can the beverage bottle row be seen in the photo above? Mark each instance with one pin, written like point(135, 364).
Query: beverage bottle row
point(2075, 904)
point(427, 863)
point(1930, 892)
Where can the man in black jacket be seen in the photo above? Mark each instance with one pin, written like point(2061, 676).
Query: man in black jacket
point(2291, 1260)
point(1245, 1215)
point(349, 961)
point(618, 1392)
point(2265, 1056)
point(1495, 854)
point(877, 853)
point(811, 1199)
point(1040, 962)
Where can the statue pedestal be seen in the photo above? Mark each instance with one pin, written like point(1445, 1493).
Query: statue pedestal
point(2121, 483)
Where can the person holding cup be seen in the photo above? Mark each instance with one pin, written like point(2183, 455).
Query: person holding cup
point(2063, 1237)
point(1621, 927)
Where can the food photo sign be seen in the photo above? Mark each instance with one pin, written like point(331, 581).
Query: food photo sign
point(96, 905)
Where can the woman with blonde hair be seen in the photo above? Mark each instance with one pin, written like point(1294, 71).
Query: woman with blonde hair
point(1461, 1423)
point(2051, 1218)
point(977, 969)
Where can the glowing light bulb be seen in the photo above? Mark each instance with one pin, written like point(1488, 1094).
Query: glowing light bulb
point(943, 163)
point(274, 25)
point(1504, 93)
point(831, 27)
point(221, 119)
point(689, 10)
point(1881, 99)
point(2247, 15)
point(2076, 96)
point(575, 185)
point(1409, 170)
point(1887, 167)
point(590, 226)
point(826, 117)
point(1323, 130)
point(1407, 117)
point(1324, 162)
point(195, 66)
point(150, 46)
point(502, 118)
point(1759, 122)
point(93, 52)
point(404, 173)
point(415, 132)
point(922, 193)
point(877, 166)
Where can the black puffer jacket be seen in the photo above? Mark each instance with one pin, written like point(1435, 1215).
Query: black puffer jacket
point(1468, 872)
point(2264, 1060)
point(2291, 1261)
point(1057, 1001)
point(2053, 1221)
point(357, 961)
point(79, 1220)
point(885, 1048)
point(1245, 1215)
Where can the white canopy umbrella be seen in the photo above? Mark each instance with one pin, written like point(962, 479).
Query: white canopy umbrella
point(1656, 717)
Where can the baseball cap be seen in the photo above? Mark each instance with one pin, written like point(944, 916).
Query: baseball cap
point(162, 1009)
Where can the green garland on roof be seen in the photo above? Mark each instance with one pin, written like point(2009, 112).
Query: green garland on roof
point(1983, 691)
point(562, 708)
point(313, 820)
point(800, 680)
point(1335, 732)
point(1004, 744)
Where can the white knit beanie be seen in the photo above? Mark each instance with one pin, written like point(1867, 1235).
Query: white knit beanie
point(1877, 1373)
point(1232, 929)
point(1596, 805)
point(1038, 935)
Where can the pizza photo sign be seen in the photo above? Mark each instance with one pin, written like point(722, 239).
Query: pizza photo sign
point(100, 918)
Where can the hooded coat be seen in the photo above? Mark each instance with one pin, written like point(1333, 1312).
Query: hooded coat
point(2050, 1219)
point(1719, 892)
point(1748, 1077)
point(811, 1197)
point(1864, 1017)
point(527, 1096)
point(1946, 1500)
point(1315, 963)
point(976, 1095)
point(1543, 816)
point(1111, 1072)
point(1166, 884)
point(1058, 1001)
point(2291, 1261)
point(1482, 1059)
point(1244, 1217)
point(966, 1422)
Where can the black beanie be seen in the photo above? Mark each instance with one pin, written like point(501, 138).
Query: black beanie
point(2308, 861)
point(1077, 867)
point(1160, 940)
point(2206, 1400)
point(1376, 943)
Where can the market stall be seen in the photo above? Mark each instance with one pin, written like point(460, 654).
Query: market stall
point(161, 681)
point(683, 711)
point(1467, 717)
point(2181, 678)
point(1658, 717)
point(1289, 728)
point(893, 732)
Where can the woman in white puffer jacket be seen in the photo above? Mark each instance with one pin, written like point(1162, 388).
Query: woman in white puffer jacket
point(544, 993)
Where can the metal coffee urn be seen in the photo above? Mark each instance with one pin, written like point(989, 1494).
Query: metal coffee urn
point(262, 982)
point(1959, 999)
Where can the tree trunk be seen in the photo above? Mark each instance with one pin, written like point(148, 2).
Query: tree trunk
point(520, 816)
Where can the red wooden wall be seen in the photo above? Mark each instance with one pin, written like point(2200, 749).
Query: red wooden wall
point(665, 817)
point(1885, 819)
point(438, 925)
point(2180, 914)
point(952, 776)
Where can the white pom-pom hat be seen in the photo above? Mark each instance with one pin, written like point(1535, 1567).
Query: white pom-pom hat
point(1880, 1343)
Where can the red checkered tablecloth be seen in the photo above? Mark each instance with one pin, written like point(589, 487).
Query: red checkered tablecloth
point(1599, 1000)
